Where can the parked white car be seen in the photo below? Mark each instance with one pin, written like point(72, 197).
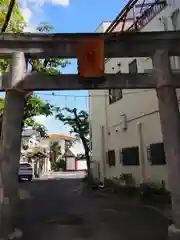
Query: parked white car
point(25, 171)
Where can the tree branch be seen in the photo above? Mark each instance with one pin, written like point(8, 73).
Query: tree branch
point(8, 16)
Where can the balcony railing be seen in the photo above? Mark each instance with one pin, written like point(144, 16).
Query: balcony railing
point(148, 15)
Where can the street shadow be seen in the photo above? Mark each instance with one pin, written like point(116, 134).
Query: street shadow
point(61, 206)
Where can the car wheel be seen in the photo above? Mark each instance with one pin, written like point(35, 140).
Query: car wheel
point(30, 179)
point(19, 179)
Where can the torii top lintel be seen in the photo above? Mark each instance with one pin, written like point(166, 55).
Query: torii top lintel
point(123, 44)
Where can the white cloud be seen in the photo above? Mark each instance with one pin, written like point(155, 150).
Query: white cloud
point(43, 119)
point(30, 29)
point(53, 125)
point(26, 12)
point(61, 2)
point(35, 4)
point(28, 7)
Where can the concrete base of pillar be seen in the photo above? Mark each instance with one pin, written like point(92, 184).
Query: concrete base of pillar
point(173, 233)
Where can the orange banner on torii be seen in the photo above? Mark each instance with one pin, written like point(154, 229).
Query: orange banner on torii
point(91, 57)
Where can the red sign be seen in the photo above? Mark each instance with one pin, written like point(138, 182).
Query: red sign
point(91, 57)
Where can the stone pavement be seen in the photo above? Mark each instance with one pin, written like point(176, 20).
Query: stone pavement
point(62, 209)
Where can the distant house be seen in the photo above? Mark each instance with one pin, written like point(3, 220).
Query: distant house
point(39, 161)
point(63, 140)
point(30, 138)
point(81, 163)
point(34, 152)
point(69, 151)
point(70, 160)
point(60, 136)
point(74, 162)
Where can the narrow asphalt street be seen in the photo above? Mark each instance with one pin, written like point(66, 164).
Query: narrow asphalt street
point(56, 207)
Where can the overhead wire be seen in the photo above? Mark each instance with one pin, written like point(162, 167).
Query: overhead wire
point(90, 95)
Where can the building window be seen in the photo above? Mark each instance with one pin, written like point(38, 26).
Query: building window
point(133, 66)
point(111, 158)
point(114, 95)
point(157, 155)
point(130, 156)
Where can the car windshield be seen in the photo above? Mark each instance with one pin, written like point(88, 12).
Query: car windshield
point(25, 165)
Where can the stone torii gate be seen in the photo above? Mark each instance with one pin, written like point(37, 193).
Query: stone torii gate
point(157, 45)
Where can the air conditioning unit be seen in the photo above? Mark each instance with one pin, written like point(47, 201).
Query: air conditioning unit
point(123, 121)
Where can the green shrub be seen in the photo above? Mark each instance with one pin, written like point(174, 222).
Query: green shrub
point(127, 178)
point(60, 164)
point(154, 192)
point(128, 190)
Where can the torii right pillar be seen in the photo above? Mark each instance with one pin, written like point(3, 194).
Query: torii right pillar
point(170, 124)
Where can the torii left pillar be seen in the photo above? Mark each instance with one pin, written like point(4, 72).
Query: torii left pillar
point(11, 145)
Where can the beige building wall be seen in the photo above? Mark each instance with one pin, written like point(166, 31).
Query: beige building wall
point(139, 107)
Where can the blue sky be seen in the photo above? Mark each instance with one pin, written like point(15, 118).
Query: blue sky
point(76, 16)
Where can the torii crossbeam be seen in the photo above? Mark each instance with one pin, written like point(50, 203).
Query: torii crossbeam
point(125, 44)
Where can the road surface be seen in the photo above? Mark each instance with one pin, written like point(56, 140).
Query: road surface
point(56, 207)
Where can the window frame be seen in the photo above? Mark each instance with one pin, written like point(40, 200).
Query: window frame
point(135, 164)
point(133, 64)
point(116, 96)
point(110, 162)
point(154, 162)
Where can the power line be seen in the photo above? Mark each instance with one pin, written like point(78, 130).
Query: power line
point(88, 96)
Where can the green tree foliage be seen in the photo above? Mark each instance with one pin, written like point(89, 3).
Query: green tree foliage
point(79, 125)
point(25, 147)
point(61, 165)
point(48, 65)
point(34, 105)
point(41, 129)
point(11, 20)
point(1, 105)
point(55, 154)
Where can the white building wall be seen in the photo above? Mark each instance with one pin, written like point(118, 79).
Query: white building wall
point(138, 105)
point(103, 26)
point(31, 141)
point(98, 119)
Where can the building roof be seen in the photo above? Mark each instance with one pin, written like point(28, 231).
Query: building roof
point(68, 153)
point(59, 136)
point(103, 23)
